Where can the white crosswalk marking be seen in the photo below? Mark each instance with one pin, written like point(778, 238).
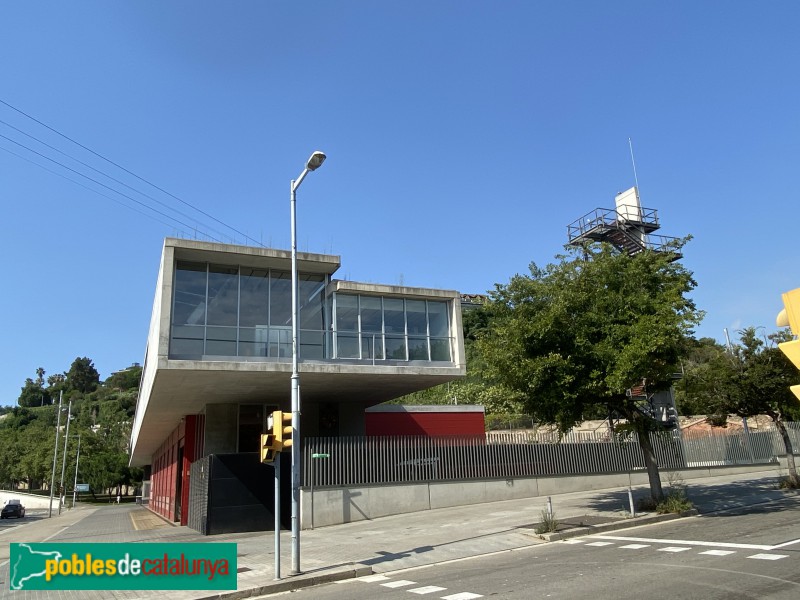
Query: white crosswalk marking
point(573, 541)
point(635, 546)
point(673, 549)
point(764, 556)
point(399, 583)
point(428, 589)
point(600, 544)
point(718, 552)
point(462, 596)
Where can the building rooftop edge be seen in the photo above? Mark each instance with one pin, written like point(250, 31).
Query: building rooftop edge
point(424, 408)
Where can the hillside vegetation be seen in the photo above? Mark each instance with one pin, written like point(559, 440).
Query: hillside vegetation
point(101, 414)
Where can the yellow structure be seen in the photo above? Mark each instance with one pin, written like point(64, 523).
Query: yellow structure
point(790, 317)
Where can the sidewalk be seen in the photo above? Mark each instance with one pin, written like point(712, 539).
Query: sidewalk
point(381, 545)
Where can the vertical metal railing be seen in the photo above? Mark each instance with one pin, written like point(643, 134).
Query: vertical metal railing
point(378, 460)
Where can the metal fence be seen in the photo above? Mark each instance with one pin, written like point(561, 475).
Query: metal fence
point(345, 461)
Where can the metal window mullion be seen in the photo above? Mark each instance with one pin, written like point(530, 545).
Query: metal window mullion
point(205, 312)
point(238, 307)
point(428, 330)
point(358, 326)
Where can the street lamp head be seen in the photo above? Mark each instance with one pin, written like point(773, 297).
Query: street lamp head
point(315, 161)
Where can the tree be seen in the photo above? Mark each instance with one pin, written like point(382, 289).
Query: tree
point(127, 379)
point(33, 394)
point(702, 389)
point(82, 376)
point(758, 384)
point(578, 334)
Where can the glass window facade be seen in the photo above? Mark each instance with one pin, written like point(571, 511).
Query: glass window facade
point(377, 328)
point(240, 311)
point(225, 311)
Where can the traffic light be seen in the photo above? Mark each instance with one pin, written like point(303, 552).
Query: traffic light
point(281, 425)
point(790, 316)
point(268, 450)
point(278, 436)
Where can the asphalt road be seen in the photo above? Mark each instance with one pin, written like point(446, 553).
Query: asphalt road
point(746, 553)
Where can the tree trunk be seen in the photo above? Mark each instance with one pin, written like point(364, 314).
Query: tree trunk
point(656, 492)
point(787, 444)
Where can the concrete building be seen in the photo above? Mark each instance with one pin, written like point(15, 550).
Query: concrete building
point(219, 353)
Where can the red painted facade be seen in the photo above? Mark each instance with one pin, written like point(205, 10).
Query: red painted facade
point(427, 423)
point(169, 480)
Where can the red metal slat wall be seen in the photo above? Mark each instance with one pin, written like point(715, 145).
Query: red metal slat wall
point(424, 423)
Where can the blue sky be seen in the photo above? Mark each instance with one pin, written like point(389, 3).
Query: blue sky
point(462, 138)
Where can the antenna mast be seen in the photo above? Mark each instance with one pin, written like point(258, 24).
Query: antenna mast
point(633, 162)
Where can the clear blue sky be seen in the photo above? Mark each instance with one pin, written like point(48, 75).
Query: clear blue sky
point(462, 138)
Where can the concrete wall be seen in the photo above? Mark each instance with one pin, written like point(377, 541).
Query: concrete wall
point(334, 506)
point(30, 501)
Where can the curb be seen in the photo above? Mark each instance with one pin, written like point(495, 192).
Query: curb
point(627, 523)
point(296, 582)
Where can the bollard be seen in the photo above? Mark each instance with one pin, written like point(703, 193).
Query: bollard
point(549, 507)
point(630, 501)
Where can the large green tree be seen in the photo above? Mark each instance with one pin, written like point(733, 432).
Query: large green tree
point(33, 394)
point(82, 376)
point(576, 335)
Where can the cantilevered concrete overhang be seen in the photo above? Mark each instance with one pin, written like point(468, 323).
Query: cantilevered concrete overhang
point(185, 387)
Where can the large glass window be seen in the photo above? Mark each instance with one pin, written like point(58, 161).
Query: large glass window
point(347, 326)
point(230, 311)
point(311, 290)
point(439, 329)
point(391, 328)
point(223, 296)
point(394, 319)
point(190, 294)
point(220, 310)
point(371, 327)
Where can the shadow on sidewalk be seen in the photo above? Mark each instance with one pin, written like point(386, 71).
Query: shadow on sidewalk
point(753, 496)
point(386, 556)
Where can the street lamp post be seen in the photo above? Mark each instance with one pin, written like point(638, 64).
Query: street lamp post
point(61, 490)
point(316, 159)
point(55, 455)
point(75, 483)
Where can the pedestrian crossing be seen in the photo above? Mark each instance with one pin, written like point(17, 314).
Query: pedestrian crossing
point(669, 546)
point(413, 587)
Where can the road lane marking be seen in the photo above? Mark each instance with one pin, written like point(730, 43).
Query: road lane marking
point(462, 596)
point(573, 541)
point(784, 544)
point(399, 583)
point(687, 542)
point(635, 546)
point(674, 549)
point(373, 578)
point(718, 552)
point(768, 556)
point(428, 589)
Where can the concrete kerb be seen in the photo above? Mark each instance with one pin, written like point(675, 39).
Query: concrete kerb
point(615, 526)
point(297, 582)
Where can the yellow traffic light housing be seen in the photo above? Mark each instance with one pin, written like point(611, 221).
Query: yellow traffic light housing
point(281, 425)
point(268, 451)
point(790, 316)
point(278, 436)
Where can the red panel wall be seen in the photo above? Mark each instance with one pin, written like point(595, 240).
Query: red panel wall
point(166, 470)
point(424, 423)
